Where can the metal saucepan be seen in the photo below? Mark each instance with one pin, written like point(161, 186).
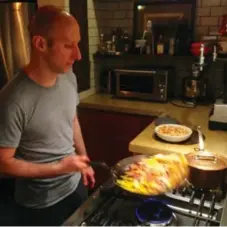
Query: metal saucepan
point(206, 169)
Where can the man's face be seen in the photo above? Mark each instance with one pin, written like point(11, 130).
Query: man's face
point(63, 50)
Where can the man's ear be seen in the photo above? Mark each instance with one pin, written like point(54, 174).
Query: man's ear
point(39, 43)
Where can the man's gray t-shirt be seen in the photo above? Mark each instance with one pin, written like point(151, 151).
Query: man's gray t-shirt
point(38, 121)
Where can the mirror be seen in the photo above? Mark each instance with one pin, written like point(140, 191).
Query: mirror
point(169, 18)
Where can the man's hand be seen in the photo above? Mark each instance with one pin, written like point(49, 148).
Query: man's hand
point(88, 176)
point(74, 163)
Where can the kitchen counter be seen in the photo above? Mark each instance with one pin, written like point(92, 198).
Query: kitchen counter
point(145, 143)
point(215, 141)
point(106, 102)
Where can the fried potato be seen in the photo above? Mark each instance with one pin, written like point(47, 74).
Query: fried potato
point(155, 175)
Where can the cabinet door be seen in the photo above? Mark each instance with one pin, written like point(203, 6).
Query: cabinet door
point(78, 8)
point(97, 140)
point(107, 135)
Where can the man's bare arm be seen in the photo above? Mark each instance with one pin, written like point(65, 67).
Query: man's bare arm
point(9, 165)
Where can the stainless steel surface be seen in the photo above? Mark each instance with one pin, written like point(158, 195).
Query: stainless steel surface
point(14, 37)
point(201, 142)
point(201, 57)
point(224, 215)
point(78, 216)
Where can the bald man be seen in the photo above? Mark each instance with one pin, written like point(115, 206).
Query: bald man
point(39, 128)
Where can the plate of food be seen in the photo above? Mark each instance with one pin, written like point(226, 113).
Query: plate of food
point(152, 175)
point(173, 132)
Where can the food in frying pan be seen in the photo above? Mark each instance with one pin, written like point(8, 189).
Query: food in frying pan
point(173, 130)
point(155, 175)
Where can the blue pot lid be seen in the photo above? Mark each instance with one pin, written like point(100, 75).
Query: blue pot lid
point(154, 212)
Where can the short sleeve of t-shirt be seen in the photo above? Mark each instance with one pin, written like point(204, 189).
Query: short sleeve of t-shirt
point(11, 125)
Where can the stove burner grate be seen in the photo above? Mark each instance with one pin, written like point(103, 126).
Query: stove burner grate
point(184, 205)
point(203, 199)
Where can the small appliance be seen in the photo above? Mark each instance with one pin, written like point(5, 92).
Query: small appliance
point(218, 116)
point(218, 112)
point(196, 87)
point(150, 84)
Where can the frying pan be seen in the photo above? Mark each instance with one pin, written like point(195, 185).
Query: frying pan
point(121, 167)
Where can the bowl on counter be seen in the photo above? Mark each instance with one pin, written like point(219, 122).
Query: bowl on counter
point(173, 132)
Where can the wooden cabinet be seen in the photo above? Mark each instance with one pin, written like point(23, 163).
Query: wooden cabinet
point(107, 135)
point(81, 68)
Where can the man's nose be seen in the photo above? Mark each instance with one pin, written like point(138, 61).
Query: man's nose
point(77, 54)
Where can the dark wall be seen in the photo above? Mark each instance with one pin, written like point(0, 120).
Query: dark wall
point(182, 66)
point(78, 8)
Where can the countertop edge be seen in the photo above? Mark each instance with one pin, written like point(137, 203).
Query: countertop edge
point(126, 110)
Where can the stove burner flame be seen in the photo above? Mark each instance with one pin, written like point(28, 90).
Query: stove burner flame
point(153, 212)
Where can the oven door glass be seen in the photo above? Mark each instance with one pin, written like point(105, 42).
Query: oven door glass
point(138, 83)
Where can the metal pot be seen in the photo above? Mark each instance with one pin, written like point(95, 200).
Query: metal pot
point(207, 170)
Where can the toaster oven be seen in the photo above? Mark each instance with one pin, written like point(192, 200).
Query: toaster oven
point(146, 84)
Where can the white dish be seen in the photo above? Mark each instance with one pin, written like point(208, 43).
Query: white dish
point(172, 138)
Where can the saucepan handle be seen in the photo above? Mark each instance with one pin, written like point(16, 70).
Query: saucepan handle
point(206, 158)
point(201, 142)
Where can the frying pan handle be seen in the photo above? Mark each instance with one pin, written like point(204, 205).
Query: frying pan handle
point(201, 142)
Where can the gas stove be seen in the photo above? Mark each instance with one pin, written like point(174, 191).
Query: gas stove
point(111, 206)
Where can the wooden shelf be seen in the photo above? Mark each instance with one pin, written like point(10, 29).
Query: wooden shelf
point(98, 57)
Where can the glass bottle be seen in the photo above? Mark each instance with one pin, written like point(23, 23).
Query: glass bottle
point(160, 45)
point(171, 46)
point(149, 38)
point(126, 41)
point(102, 46)
point(114, 42)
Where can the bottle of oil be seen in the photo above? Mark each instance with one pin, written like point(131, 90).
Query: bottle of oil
point(160, 45)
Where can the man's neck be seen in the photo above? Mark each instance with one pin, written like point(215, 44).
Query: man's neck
point(40, 74)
